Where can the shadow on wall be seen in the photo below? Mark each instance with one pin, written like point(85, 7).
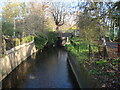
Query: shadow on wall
point(19, 75)
point(13, 59)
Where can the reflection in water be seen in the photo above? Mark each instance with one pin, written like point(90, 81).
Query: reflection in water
point(19, 74)
point(33, 56)
point(48, 69)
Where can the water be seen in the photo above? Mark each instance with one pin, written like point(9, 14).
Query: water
point(48, 69)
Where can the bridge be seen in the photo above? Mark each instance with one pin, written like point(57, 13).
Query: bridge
point(64, 34)
point(63, 38)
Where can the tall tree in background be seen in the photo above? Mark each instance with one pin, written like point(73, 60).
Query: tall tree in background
point(10, 15)
point(92, 21)
point(117, 19)
point(35, 17)
point(88, 22)
point(99, 13)
point(11, 10)
point(58, 12)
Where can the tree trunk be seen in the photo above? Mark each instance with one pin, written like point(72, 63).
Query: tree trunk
point(119, 37)
point(90, 50)
point(57, 28)
point(105, 52)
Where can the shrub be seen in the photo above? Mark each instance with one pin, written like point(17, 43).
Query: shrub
point(9, 43)
point(79, 49)
point(27, 39)
point(52, 38)
point(4, 44)
point(40, 41)
point(16, 41)
point(32, 38)
point(23, 40)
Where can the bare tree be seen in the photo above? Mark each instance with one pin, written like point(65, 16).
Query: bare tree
point(58, 12)
point(34, 20)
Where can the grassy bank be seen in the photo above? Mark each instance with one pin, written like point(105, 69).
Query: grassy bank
point(104, 71)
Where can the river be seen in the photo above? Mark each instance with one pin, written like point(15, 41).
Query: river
point(47, 69)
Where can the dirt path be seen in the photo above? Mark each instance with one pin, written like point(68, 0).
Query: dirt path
point(112, 49)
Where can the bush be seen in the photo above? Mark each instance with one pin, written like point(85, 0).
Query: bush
point(16, 41)
point(23, 40)
point(27, 39)
point(52, 38)
point(4, 43)
point(31, 38)
point(78, 48)
point(40, 41)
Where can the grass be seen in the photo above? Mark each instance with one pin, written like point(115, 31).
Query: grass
point(105, 71)
point(101, 62)
point(82, 53)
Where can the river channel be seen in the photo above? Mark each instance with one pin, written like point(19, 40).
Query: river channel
point(47, 69)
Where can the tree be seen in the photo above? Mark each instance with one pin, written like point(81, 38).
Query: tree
point(7, 28)
point(58, 12)
point(92, 21)
point(33, 17)
point(11, 10)
point(117, 19)
point(10, 14)
point(88, 22)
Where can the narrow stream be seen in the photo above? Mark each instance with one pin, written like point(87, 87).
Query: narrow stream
point(48, 69)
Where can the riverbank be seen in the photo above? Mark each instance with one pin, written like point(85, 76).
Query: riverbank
point(14, 57)
point(83, 79)
point(105, 72)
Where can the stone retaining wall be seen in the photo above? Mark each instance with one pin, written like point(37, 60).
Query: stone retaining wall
point(14, 57)
point(82, 78)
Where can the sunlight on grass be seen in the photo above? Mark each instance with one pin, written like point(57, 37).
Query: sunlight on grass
point(101, 62)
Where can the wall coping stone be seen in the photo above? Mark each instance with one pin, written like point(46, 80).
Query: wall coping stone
point(18, 47)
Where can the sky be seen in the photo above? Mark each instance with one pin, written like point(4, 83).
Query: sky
point(2, 1)
point(60, 0)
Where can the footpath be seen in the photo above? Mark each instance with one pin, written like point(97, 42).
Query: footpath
point(112, 49)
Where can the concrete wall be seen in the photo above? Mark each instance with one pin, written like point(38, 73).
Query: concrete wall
point(14, 57)
point(81, 75)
